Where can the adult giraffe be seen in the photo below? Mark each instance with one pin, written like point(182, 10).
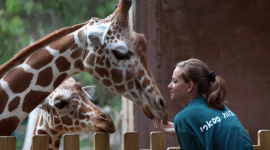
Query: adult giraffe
point(106, 48)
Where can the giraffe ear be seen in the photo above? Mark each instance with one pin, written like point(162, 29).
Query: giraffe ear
point(96, 34)
point(44, 104)
point(89, 91)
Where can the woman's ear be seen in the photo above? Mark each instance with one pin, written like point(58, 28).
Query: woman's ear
point(190, 86)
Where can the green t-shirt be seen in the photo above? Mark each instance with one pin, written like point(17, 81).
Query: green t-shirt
point(199, 127)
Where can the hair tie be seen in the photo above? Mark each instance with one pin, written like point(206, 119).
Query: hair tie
point(211, 76)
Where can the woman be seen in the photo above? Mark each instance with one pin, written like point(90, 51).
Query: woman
point(205, 123)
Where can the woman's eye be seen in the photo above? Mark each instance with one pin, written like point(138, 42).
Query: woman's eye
point(120, 56)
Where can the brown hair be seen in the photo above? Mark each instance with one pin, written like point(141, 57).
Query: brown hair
point(214, 89)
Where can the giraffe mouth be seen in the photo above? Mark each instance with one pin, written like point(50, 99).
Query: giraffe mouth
point(161, 115)
point(100, 130)
point(107, 130)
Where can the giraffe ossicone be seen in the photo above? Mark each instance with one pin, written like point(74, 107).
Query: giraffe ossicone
point(114, 54)
point(97, 34)
point(69, 109)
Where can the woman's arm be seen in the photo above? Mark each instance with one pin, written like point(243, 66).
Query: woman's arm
point(166, 128)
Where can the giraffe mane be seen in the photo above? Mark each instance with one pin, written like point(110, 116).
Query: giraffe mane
point(24, 53)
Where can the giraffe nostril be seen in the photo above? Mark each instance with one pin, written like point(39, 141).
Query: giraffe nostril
point(109, 117)
point(161, 103)
point(104, 117)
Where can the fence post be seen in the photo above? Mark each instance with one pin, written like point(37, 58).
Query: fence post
point(71, 142)
point(101, 141)
point(158, 141)
point(40, 142)
point(131, 141)
point(257, 147)
point(264, 139)
point(7, 143)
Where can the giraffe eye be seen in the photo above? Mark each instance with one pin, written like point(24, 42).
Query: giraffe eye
point(120, 56)
point(60, 104)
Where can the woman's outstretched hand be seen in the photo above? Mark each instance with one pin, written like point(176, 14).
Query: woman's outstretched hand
point(167, 128)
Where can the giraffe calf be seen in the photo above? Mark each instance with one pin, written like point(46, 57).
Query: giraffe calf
point(69, 109)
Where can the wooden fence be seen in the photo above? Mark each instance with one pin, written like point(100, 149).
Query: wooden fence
point(130, 142)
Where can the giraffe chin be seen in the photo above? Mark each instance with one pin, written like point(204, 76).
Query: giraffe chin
point(107, 130)
point(147, 112)
point(160, 115)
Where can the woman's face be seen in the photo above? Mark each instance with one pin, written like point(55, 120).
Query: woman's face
point(178, 87)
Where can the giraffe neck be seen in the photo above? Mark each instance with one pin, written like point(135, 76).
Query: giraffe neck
point(27, 84)
point(42, 127)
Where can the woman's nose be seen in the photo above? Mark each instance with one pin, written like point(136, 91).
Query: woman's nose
point(169, 86)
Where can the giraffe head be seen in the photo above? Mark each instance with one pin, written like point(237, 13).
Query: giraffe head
point(116, 56)
point(69, 109)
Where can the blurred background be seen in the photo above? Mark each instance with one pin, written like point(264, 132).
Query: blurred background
point(22, 22)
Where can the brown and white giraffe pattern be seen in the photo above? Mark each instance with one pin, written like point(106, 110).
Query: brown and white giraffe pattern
point(69, 109)
point(38, 76)
point(130, 76)
point(108, 49)
point(118, 75)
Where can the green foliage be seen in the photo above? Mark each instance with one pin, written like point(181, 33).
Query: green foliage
point(24, 21)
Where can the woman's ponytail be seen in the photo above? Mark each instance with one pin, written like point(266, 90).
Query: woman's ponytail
point(216, 95)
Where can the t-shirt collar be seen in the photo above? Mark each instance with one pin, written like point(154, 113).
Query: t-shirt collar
point(194, 100)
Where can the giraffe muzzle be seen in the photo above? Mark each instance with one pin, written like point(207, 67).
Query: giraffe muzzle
point(105, 124)
point(159, 111)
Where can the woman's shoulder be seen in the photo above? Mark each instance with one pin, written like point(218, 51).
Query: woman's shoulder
point(198, 110)
point(191, 113)
point(195, 107)
point(190, 118)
